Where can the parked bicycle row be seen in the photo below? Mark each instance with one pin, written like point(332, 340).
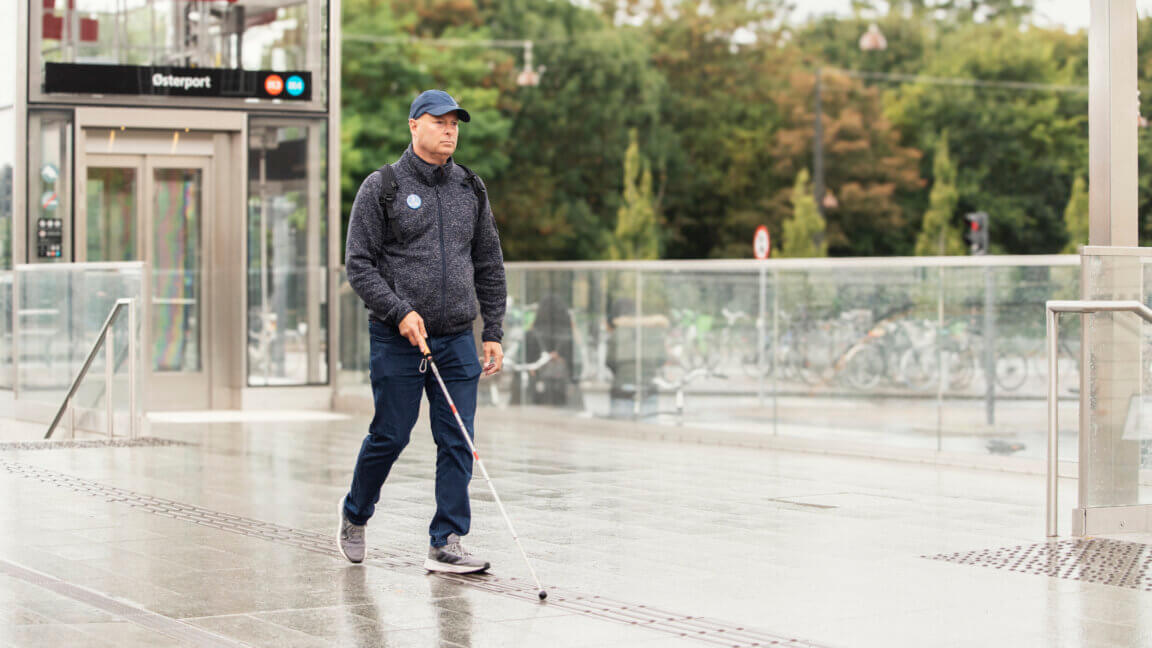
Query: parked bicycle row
point(858, 349)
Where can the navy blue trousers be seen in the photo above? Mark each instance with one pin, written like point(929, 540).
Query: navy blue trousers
point(397, 385)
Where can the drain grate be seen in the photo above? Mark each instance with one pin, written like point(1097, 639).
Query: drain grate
point(1092, 560)
point(707, 630)
point(141, 442)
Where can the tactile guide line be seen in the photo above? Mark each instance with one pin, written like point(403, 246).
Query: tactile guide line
point(703, 629)
point(74, 444)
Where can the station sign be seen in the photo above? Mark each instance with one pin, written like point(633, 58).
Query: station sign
point(168, 81)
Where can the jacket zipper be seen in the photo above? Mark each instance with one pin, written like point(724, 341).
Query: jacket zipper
point(443, 260)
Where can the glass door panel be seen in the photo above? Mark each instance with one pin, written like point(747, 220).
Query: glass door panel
point(111, 228)
point(177, 220)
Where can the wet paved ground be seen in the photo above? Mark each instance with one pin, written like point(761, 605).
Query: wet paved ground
point(223, 538)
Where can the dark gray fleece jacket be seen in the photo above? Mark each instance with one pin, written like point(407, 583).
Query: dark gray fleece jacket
point(439, 257)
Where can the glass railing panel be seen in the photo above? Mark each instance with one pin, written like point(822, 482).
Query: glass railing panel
point(352, 357)
point(989, 341)
point(7, 376)
point(287, 331)
point(700, 344)
point(883, 352)
point(59, 312)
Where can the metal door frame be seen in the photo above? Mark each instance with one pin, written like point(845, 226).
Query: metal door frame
point(224, 197)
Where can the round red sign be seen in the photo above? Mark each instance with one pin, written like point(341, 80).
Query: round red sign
point(762, 243)
point(273, 84)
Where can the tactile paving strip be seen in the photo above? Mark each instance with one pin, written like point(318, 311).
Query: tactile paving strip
point(1092, 560)
point(707, 630)
point(141, 442)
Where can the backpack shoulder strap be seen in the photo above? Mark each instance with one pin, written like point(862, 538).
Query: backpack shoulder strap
point(388, 192)
point(477, 187)
point(389, 188)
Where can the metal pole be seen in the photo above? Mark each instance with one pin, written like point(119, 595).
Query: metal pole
point(264, 341)
point(760, 324)
point(108, 367)
point(132, 332)
point(637, 394)
point(818, 144)
point(1053, 430)
point(989, 346)
point(941, 366)
point(775, 352)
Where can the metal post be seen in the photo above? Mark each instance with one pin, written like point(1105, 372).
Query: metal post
point(1113, 110)
point(941, 366)
point(108, 367)
point(760, 324)
point(775, 352)
point(1053, 430)
point(264, 341)
point(989, 346)
point(132, 332)
point(638, 393)
point(818, 143)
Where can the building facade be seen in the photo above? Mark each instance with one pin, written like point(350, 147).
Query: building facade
point(202, 138)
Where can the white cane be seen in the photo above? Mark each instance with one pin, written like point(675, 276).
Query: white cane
point(464, 431)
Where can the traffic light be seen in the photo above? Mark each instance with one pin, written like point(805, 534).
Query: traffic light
point(977, 235)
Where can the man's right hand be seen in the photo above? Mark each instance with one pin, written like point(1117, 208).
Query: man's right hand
point(412, 327)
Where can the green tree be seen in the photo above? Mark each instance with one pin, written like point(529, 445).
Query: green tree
point(558, 196)
point(723, 69)
point(937, 235)
point(1016, 150)
point(804, 231)
point(381, 77)
point(637, 232)
point(864, 163)
point(1076, 217)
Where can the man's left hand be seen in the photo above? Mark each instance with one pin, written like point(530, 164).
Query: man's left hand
point(493, 358)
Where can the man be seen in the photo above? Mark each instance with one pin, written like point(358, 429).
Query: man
point(420, 261)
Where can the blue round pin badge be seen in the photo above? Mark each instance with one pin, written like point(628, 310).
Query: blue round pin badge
point(414, 201)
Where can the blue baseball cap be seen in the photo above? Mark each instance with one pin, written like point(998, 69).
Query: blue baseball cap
point(436, 102)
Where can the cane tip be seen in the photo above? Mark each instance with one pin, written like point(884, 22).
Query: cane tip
point(543, 595)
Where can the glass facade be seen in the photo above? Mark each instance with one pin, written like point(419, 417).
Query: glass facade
point(287, 252)
point(239, 35)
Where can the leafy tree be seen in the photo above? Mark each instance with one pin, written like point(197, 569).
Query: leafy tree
point(938, 237)
point(804, 234)
point(637, 235)
point(1076, 217)
point(558, 197)
point(723, 70)
point(381, 77)
point(1016, 149)
point(864, 163)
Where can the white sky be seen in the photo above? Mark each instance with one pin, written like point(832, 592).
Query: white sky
point(1071, 14)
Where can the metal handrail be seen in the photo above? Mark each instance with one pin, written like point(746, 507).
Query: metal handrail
point(1052, 310)
point(121, 304)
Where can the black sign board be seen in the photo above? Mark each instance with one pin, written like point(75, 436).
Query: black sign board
point(49, 237)
point(84, 78)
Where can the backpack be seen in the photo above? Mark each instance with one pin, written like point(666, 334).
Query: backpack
point(388, 194)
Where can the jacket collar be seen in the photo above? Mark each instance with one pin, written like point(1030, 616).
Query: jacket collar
point(429, 174)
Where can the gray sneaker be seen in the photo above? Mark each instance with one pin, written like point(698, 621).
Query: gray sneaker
point(350, 538)
point(453, 558)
